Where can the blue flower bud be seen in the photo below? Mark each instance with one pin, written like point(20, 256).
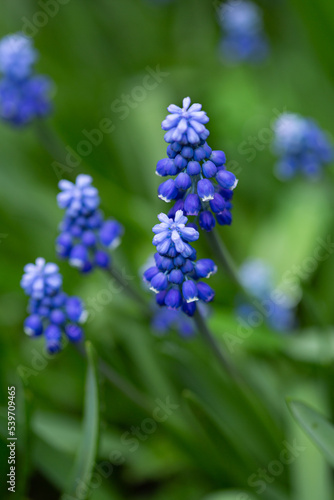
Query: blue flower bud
point(187, 152)
point(171, 154)
point(183, 181)
point(218, 158)
point(199, 154)
point(205, 190)
point(64, 244)
point(187, 267)
point(52, 335)
point(78, 256)
point(207, 150)
point(209, 169)
point(189, 291)
point(33, 326)
point(189, 308)
point(224, 218)
point(218, 203)
point(110, 233)
point(159, 283)
point(176, 276)
point(74, 332)
point(205, 292)
point(17, 56)
point(179, 261)
point(192, 204)
point(101, 259)
point(167, 191)
point(205, 267)
point(178, 205)
point(226, 179)
point(173, 299)
point(88, 238)
point(150, 273)
point(74, 310)
point(160, 298)
point(207, 221)
point(166, 167)
point(180, 162)
point(194, 168)
point(57, 317)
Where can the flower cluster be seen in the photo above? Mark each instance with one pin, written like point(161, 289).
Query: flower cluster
point(301, 145)
point(51, 311)
point(176, 274)
point(243, 34)
point(24, 95)
point(257, 278)
point(202, 186)
point(84, 235)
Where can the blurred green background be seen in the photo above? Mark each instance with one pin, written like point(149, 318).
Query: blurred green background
point(219, 436)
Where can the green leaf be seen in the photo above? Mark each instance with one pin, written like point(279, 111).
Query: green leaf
point(87, 451)
point(317, 427)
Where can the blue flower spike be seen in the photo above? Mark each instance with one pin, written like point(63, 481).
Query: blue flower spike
point(302, 147)
point(24, 96)
point(243, 38)
point(85, 237)
point(52, 312)
point(202, 186)
point(176, 273)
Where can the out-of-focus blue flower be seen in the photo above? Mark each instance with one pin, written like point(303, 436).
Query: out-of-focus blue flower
point(24, 95)
point(176, 273)
point(165, 320)
point(258, 279)
point(23, 101)
point(51, 311)
point(202, 187)
point(243, 33)
point(85, 237)
point(301, 146)
point(17, 56)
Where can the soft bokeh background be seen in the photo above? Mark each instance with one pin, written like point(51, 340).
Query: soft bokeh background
point(95, 52)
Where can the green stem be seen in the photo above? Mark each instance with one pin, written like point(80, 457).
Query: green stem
point(127, 288)
point(120, 383)
point(213, 344)
point(229, 265)
point(50, 141)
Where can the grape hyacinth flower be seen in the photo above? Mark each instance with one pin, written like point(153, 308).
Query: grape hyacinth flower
point(85, 236)
point(243, 33)
point(257, 278)
point(301, 146)
point(165, 320)
point(202, 186)
point(51, 311)
point(176, 274)
point(24, 95)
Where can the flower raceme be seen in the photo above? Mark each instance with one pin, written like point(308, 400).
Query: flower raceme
point(24, 95)
point(243, 34)
point(301, 146)
point(51, 311)
point(202, 187)
point(84, 235)
point(176, 274)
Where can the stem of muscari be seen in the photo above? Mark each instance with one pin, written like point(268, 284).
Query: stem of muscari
point(228, 263)
point(213, 344)
point(55, 147)
point(132, 292)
